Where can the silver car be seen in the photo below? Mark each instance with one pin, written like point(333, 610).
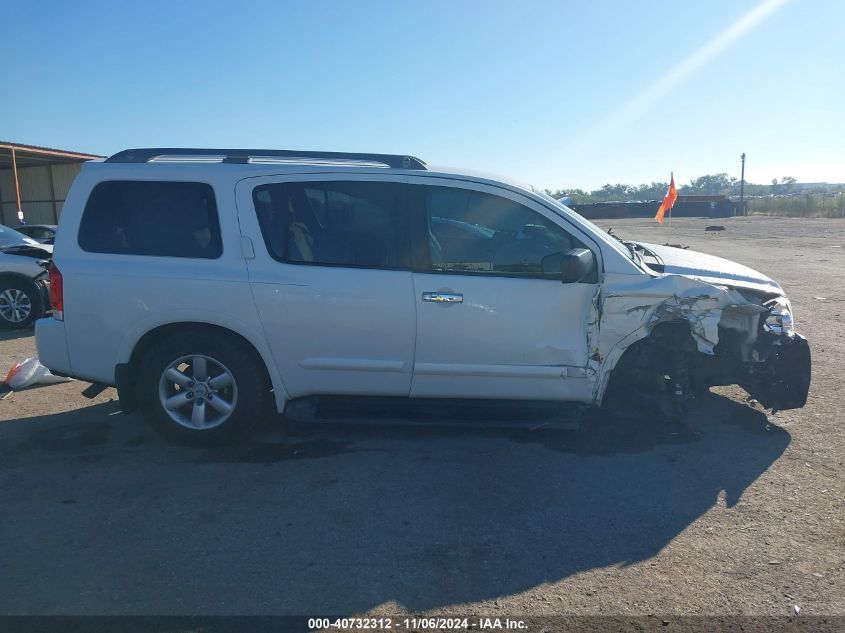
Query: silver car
point(23, 279)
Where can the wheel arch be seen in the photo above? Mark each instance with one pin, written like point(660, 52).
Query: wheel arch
point(678, 330)
point(126, 373)
point(13, 276)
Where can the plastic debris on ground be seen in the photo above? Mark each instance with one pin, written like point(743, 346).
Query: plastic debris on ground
point(30, 372)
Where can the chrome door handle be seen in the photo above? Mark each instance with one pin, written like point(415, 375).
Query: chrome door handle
point(442, 297)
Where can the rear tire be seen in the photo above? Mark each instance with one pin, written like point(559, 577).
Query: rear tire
point(20, 304)
point(202, 389)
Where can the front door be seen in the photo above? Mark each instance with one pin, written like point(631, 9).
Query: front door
point(494, 319)
point(332, 282)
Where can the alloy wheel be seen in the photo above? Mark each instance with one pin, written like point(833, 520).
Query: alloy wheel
point(198, 392)
point(15, 305)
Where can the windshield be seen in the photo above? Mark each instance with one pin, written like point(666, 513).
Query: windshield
point(10, 237)
point(611, 240)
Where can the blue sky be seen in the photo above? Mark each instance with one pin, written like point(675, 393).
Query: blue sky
point(559, 94)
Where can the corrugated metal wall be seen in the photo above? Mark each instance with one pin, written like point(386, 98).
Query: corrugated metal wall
point(41, 200)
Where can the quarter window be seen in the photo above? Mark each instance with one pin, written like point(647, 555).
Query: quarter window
point(472, 232)
point(163, 219)
point(347, 223)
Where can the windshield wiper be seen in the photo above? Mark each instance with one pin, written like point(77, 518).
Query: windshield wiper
point(631, 246)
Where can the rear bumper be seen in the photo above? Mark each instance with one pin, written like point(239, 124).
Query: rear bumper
point(51, 344)
point(786, 381)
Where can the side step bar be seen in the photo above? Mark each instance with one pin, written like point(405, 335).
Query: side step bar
point(439, 413)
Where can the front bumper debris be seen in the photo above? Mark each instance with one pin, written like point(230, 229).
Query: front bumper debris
point(786, 381)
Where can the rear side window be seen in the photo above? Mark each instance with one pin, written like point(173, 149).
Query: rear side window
point(161, 219)
point(348, 223)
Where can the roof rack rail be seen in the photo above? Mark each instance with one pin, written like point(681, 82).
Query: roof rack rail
point(243, 156)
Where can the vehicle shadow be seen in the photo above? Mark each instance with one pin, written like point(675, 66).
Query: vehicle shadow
point(11, 335)
point(342, 520)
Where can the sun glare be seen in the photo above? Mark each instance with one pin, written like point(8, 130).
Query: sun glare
point(676, 75)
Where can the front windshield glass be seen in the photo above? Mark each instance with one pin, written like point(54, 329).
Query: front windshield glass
point(10, 237)
point(611, 240)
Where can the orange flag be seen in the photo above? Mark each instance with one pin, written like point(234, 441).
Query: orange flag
point(668, 200)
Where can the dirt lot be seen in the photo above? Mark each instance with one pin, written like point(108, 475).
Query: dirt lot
point(729, 513)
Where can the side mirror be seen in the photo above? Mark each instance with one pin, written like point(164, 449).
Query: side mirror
point(577, 264)
point(574, 266)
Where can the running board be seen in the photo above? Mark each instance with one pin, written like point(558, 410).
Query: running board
point(434, 413)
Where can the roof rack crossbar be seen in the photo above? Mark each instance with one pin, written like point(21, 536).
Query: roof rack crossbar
point(147, 154)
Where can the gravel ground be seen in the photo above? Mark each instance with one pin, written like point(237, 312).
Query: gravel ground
point(731, 512)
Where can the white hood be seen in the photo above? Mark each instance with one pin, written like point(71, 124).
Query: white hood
point(711, 269)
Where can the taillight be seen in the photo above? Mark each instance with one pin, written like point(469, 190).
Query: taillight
point(56, 292)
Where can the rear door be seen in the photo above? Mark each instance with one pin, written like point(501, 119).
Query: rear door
point(494, 319)
point(331, 278)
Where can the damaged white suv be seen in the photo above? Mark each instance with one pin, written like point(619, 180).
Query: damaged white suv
point(207, 283)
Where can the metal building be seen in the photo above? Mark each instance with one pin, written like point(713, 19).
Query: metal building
point(34, 182)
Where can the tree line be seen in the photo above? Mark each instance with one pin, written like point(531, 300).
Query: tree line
point(712, 184)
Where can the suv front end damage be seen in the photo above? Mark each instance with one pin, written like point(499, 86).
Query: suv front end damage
point(779, 377)
point(664, 339)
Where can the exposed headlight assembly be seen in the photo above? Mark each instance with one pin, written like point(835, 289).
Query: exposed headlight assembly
point(779, 320)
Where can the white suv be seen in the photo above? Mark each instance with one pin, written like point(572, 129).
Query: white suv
point(205, 284)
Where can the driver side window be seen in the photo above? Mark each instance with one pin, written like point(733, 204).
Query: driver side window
point(471, 232)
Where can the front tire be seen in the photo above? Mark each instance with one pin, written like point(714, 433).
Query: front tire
point(20, 304)
point(201, 389)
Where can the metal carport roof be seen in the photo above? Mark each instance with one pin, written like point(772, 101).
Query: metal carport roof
point(14, 156)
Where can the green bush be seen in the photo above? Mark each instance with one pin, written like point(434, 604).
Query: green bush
point(809, 205)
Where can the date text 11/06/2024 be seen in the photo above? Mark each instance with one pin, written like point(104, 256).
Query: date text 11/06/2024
point(414, 624)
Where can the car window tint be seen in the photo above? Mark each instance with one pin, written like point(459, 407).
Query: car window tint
point(39, 232)
point(334, 223)
point(480, 233)
point(165, 219)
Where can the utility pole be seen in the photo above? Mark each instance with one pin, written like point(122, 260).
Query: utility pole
point(742, 185)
